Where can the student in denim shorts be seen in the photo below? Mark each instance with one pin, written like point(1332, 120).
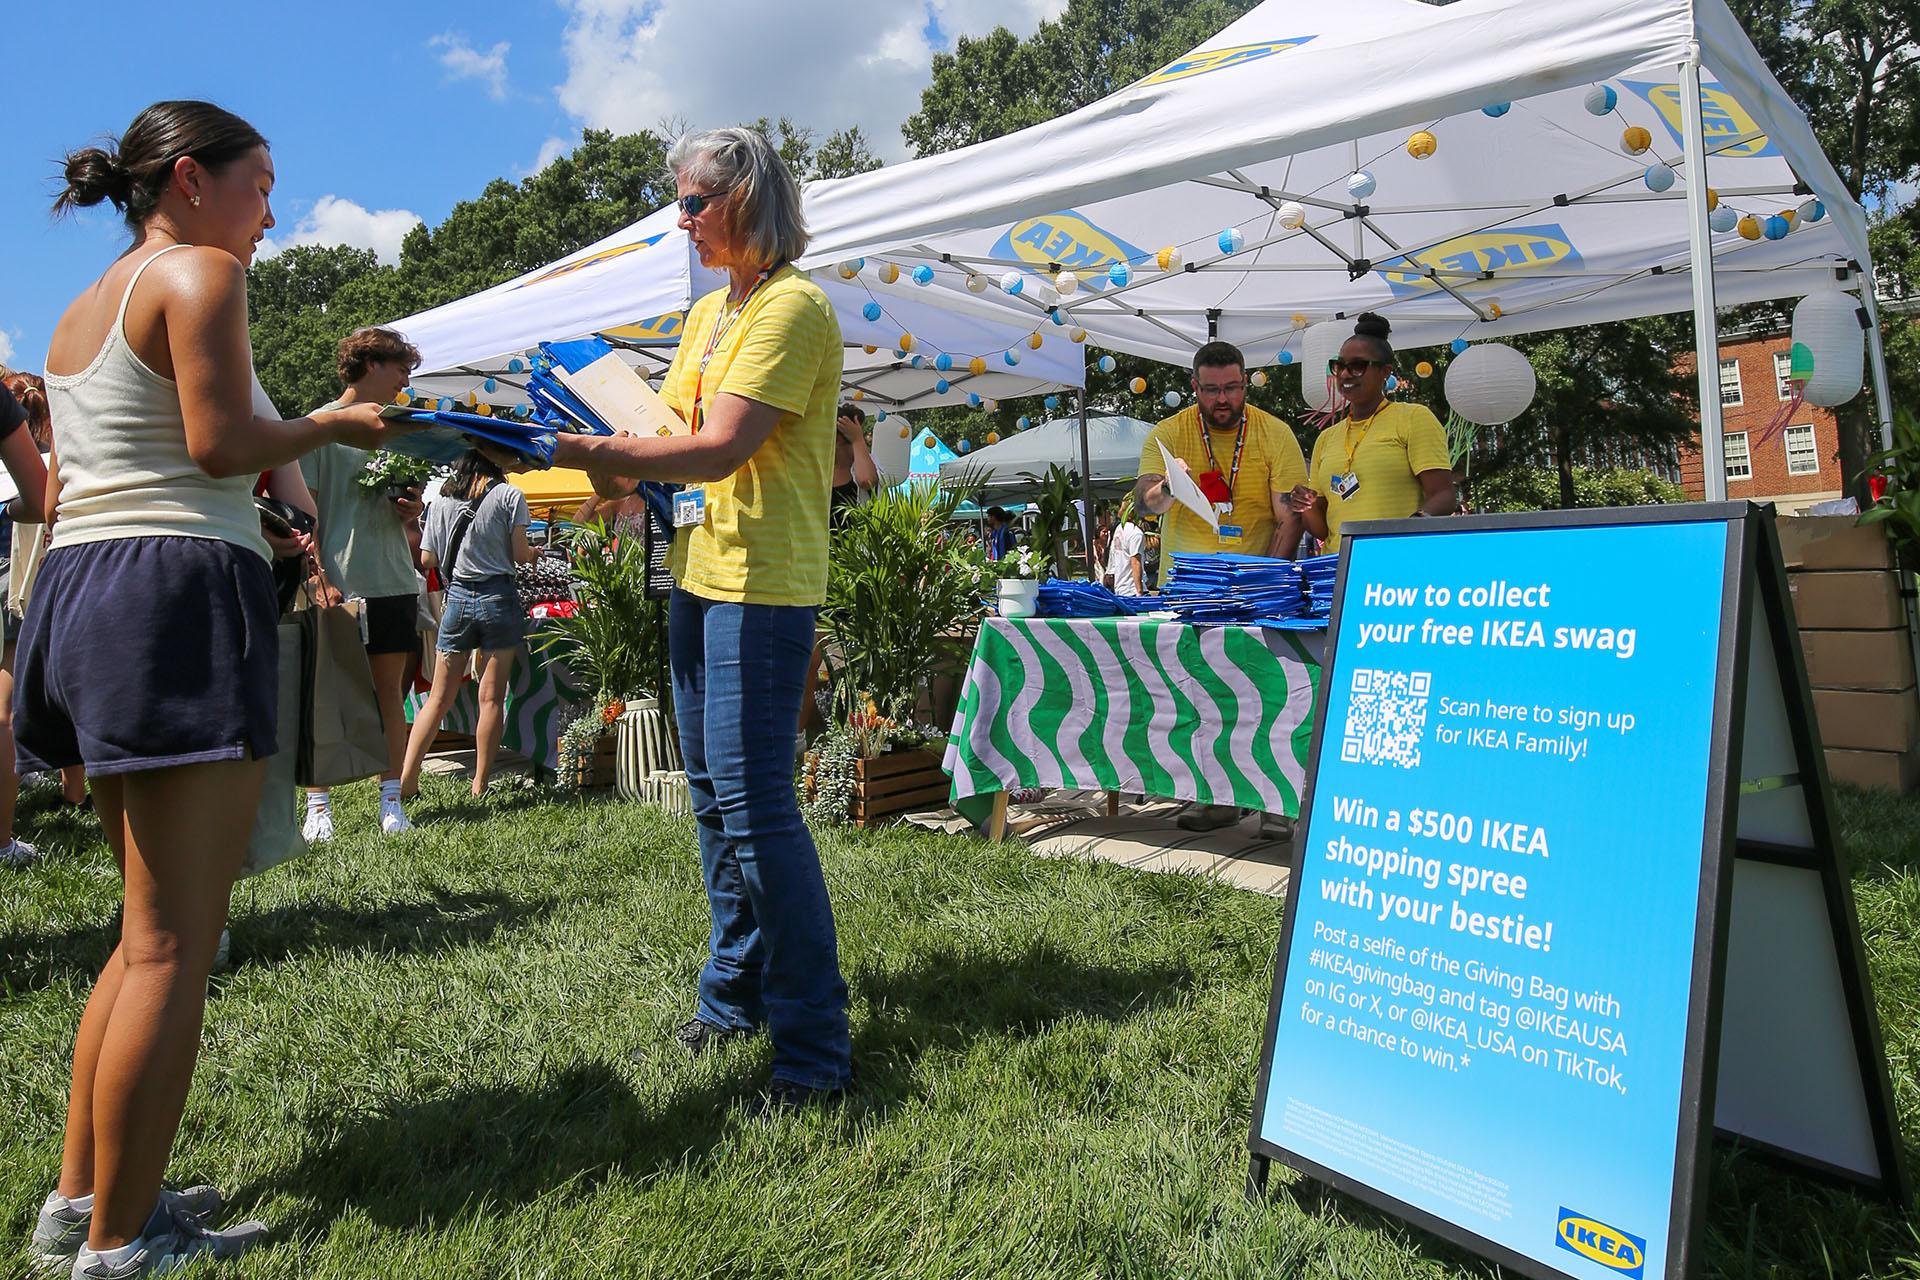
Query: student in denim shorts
point(476, 533)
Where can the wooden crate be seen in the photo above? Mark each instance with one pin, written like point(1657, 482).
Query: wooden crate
point(595, 772)
point(898, 782)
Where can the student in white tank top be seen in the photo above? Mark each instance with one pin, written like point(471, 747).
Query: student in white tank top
point(149, 651)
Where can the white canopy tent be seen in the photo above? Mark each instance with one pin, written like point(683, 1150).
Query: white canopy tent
point(1112, 459)
point(1533, 217)
point(635, 286)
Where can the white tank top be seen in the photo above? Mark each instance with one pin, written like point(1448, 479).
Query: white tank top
point(124, 467)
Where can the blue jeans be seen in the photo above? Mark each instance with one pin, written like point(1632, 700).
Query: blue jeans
point(738, 675)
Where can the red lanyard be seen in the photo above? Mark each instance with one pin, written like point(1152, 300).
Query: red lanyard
point(722, 327)
point(1239, 443)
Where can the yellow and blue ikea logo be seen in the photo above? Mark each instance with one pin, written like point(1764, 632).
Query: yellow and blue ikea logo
point(1597, 1242)
point(1205, 60)
point(594, 260)
point(1505, 251)
point(1721, 118)
point(664, 329)
point(1070, 240)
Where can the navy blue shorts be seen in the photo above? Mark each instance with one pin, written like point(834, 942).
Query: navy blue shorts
point(482, 615)
point(145, 653)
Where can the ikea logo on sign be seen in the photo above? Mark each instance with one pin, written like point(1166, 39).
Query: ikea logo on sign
point(1199, 64)
point(1505, 252)
point(1597, 1242)
point(595, 259)
point(1721, 118)
point(664, 328)
point(1070, 240)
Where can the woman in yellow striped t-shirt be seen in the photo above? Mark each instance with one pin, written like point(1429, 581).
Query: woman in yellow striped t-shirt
point(757, 375)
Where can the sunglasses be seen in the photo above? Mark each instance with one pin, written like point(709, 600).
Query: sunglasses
point(1354, 367)
point(699, 200)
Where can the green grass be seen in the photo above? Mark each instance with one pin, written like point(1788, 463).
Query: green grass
point(420, 1065)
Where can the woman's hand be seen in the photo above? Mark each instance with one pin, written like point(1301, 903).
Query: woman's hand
point(299, 544)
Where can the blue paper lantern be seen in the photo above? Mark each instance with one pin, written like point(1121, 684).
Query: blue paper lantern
point(942, 386)
point(1393, 382)
point(1724, 219)
point(1496, 109)
point(1285, 357)
point(1813, 210)
point(943, 362)
point(1361, 184)
point(1058, 316)
point(1776, 228)
point(1023, 423)
point(1051, 403)
point(1108, 364)
point(1013, 283)
point(1232, 240)
point(1011, 357)
point(1171, 399)
point(1658, 177)
point(1457, 345)
point(871, 311)
point(1601, 99)
point(489, 385)
point(966, 446)
point(1121, 274)
point(919, 362)
point(882, 417)
point(973, 399)
point(923, 275)
point(516, 365)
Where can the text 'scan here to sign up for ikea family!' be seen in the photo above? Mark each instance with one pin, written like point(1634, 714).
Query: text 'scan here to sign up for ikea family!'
point(1494, 1012)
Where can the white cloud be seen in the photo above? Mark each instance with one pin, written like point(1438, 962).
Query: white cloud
point(550, 150)
point(633, 63)
point(333, 220)
point(464, 62)
point(6, 348)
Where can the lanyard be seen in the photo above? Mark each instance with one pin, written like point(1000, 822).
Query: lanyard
point(1239, 443)
point(721, 328)
point(1355, 441)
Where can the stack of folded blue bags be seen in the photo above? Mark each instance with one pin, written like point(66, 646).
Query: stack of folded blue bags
point(450, 432)
point(1316, 575)
point(1069, 598)
point(1226, 589)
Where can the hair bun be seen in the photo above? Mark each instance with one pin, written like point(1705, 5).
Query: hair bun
point(1369, 325)
point(94, 175)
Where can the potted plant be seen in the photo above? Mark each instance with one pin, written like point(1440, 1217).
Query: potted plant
point(396, 474)
point(615, 644)
point(1056, 517)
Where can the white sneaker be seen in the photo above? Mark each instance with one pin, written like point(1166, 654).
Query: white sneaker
point(18, 854)
point(319, 826)
point(393, 819)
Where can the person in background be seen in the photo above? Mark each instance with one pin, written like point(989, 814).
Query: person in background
point(998, 533)
point(1126, 575)
point(1383, 460)
point(757, 375)
point(157, 544)
point(476, 533)
point(853, 471)
point(365, 551)
point(1245, 462)
point(29, 476)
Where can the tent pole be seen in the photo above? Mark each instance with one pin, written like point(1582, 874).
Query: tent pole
point(1706, 328)
point(1086, 491)
point(1877, 355)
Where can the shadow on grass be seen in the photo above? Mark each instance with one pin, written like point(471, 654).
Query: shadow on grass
point(31, 960)
point(502, 798)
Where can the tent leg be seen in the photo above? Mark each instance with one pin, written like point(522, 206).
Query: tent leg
point(1877, 357)
point(1086, 492)
point(1706, 328)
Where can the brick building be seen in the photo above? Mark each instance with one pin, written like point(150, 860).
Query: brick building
point(1796, 468)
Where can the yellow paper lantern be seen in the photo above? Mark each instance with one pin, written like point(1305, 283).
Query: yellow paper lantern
point(403, 399)
point(1138, 386)
point(993, 437)
point(1259, 378)
point(1423, 370)
point(1034, 340)
point(869, 349)
point(1713, 199)
point(1791, 215)
point(1299, 320)
point(1494, 310)
point(905, 343)
point(1423, 144)
point(905, 432)
point(977, 366)
point(472, 399)
point(858, 394)
point(1076, 335)
point(1635, 140)
point(1168, 258)
point(928, 442)
point(486, 411)
point(1749, 227)
point(889, 273)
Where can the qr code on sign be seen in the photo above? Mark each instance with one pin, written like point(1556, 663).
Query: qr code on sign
point(1386, 717)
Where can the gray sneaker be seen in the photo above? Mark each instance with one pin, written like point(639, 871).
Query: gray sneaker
point(18, 853)
point(1276, 826)
point(62, 1228)
point(1207, 817)
point(170, 1240)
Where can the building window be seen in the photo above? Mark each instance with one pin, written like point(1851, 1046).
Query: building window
point(1734, 447)
point(1803, 456)
point(1782, 370)
point(1730, 382)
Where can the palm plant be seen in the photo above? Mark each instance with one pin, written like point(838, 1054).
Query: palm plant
point(1055, 515)
point(615, 641)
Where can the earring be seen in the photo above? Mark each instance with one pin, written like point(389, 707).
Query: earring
point(194, 201)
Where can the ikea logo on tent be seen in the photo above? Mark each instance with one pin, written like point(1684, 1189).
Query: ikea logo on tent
point(664, 328)
point(1721, 118)
point(1070, 240)
point(1597, 1242)
point(1505, 251)
point(595, 259)
point(1199, 64)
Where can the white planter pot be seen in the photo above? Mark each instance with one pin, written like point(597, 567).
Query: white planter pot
point(1019, 597)
point(645, 744)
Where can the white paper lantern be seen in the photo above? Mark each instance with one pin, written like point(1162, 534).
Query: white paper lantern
point(1828, 344)
point(1658, 177)
point(1490, 384)
point(1601, 99)
point(1293, 215)
point(1318, 345)
point(1013, 282)
point(976, 283)
point(890, 450)
point(1360, 184)
point(1723, 219)
point(1066, 282)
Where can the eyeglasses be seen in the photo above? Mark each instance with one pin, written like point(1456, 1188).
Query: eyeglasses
point(1215, 393)
point(699, 200)
point(1354, 367)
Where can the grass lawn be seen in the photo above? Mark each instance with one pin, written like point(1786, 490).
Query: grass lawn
point(419, 1065)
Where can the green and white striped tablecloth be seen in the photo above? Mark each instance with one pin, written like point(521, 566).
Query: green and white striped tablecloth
point(1221, 715)
point(539, 694)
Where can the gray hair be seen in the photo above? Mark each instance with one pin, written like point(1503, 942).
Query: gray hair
point(766, 210)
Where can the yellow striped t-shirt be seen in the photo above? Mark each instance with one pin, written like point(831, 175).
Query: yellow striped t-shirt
point(1389, 454)
point(764, 540)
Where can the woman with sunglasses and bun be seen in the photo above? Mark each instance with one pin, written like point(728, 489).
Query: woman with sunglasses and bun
point(1383, 460)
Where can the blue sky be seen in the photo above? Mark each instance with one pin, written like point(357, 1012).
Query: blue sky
point(381, 113)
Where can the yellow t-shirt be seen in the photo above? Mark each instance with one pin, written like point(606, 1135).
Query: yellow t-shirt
point(1390, 452)
point(1270, 463)
point(764, 540)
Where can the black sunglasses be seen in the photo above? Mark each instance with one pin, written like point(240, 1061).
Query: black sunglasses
point(693, 204)
point(1354, 367)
